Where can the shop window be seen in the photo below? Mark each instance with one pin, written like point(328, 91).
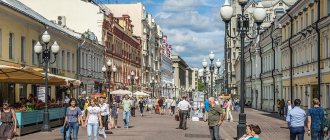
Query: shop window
point(22, 91)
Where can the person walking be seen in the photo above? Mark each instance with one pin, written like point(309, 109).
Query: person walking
point(173, 104)
point(229, 108)
point(296, 120)
point(114, 113)
point(141, 106)
point(288, 108)
point(215, 119)
point(133, 101)
point(8, 119)
point(161, 106)
point(93, 120)
point(72, 120)
point(105, 113)
point(206, 109)
point(127, 103)
point(183, 108)
point(315, 117)
point(282, 105)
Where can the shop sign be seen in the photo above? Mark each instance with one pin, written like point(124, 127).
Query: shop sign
point(41, 92)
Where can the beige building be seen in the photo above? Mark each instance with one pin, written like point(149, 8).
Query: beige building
point(180, 76)
point(20, 30)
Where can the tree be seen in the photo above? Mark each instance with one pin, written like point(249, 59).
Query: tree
point(201, 86)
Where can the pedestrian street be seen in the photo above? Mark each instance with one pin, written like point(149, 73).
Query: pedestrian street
point(162, 127)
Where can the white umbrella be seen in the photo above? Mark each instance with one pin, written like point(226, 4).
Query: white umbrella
point(139, 93)
point(121, 92)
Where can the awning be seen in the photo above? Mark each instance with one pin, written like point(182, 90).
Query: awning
point(25, 75)
point(68, 80)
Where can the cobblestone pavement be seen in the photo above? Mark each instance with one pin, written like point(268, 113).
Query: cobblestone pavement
point(162, 127)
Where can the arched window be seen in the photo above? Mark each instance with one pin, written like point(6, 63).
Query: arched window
point(325, 48)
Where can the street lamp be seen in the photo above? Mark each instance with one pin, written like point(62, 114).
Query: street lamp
point(45, 52)
point(218, 65)
point(259, 14)
point(132, 78)
point(152, 83)
point(107, 73)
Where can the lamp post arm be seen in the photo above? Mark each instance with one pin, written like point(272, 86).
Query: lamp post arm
point(228, 34)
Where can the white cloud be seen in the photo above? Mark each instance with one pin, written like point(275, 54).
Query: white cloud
point(193, 28)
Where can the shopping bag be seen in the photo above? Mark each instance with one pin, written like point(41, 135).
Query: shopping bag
point(102, 133)
point(176, 117)
point(62, 129)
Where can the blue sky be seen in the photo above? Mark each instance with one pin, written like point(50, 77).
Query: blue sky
point(193, 27)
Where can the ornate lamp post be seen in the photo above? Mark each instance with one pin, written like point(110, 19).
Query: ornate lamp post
point(107, 73)
point(243, 21)
point(132, 78)
point(46, 52)
point(153, 82)
point(218, 65)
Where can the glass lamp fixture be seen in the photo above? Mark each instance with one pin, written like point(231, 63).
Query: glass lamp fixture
point(267, 3)
point(38, 48)
point(45, 37)
point(226, 12)
point(204, 63)
point(104, 69)
point(109, 63)
point(259, 14)
point(114, 68)
point(218, 63)
point(211, 56)
point(55, 48)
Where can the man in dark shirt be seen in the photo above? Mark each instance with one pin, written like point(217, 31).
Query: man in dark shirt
point(215, 119)
point(161, 105)
point(315, 117)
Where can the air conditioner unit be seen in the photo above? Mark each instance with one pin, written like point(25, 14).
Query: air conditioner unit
point(61, 20)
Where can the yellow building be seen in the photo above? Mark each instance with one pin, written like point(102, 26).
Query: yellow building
point(20, 30)
point(300, 44)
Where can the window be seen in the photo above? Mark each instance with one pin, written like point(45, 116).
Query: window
point(312, 16)
point(328, 7)
point(326, 48)
point(63, 60)
point(11, 45)
point(34, 55)
point(301, 23)
point(306, 19)
point(22, 91)
point(234, 55)
point(73, 63)
point(280, 4)
point(0, 42)
point(82, 60)
point(68, 62)
point(327, 92)
point(23, 49)
point(296, 26)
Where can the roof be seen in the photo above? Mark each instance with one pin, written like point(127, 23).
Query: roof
point(21, 8)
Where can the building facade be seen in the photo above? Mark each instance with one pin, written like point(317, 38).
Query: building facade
point(123, 49)
point(166, 70)
point(179, 75)
point(151, 41)
point(20, 30)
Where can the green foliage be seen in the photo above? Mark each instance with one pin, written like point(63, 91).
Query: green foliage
point(201, 86)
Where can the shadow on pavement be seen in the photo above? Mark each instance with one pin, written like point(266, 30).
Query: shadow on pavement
point(273, 115)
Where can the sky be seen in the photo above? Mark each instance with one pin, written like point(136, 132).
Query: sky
point(194, 27)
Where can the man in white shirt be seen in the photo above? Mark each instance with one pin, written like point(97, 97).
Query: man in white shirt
point(183, 109)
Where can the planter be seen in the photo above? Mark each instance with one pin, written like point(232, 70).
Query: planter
point(31, 121)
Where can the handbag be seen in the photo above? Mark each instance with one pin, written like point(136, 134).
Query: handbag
point(102, 133)
point(176, 117)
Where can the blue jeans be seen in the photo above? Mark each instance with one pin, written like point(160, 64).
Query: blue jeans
point(72, 127)
point(92, 127)
point(297, 131)
point(214, 131)
point(316, 135)
point(126, 115)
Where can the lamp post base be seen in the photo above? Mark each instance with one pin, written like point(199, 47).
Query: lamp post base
point(45, 125)
point(241, 127)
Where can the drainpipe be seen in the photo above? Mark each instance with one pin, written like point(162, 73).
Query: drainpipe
point(291, 60)
point(260, 75)
point(273, 71)
point(318, 50)
point(79, 61)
